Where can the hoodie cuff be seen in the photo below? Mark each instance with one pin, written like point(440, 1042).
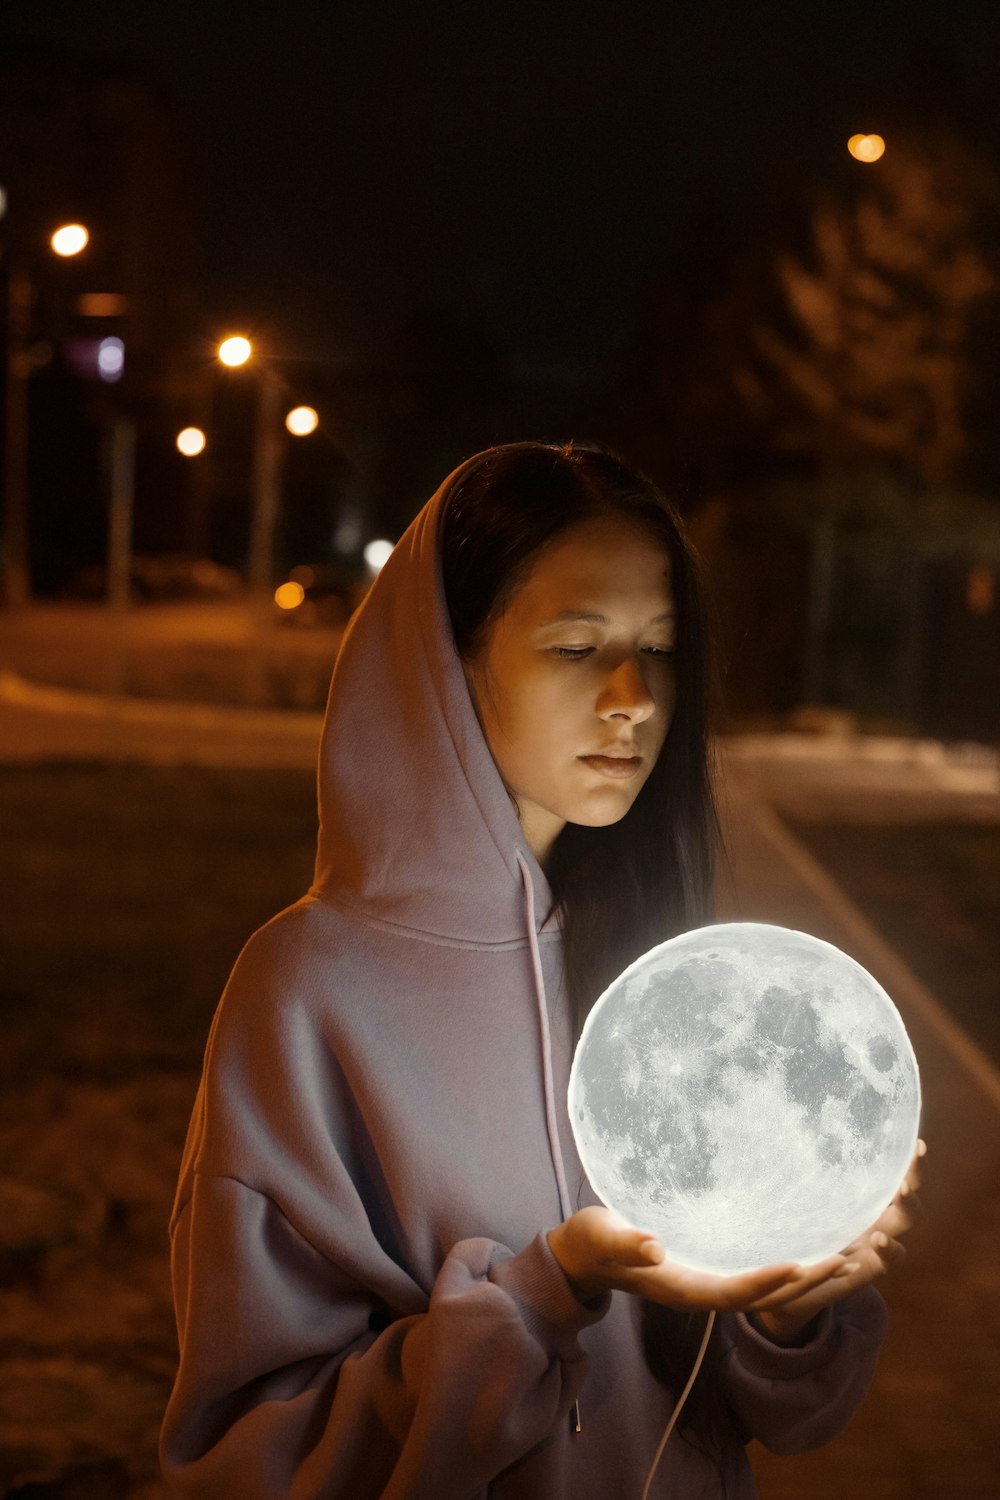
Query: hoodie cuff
point(759, 1355)
point(549, 1306)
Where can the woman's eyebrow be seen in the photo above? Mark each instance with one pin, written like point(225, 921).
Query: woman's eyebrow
point(594, 619)
point(577, 614)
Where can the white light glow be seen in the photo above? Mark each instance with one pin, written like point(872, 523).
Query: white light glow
point(191, 442)
point(377, 554)
point(301, 421)
point(110, 359)
point(747, 1093)
point(235, 351)
point(69, 239)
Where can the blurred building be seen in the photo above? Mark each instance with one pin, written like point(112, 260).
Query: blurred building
point(115, 329)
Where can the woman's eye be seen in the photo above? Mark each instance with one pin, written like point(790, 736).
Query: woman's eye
point(661, 653)
point(572, 653)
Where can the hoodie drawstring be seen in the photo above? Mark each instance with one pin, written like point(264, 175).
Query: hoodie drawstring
point(555, 1148)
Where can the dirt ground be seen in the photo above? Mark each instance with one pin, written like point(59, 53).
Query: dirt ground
point(129, 892)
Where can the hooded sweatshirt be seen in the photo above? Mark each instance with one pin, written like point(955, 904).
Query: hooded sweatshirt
point(367, 1305)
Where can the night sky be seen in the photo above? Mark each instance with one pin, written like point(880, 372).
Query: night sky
point(532, 165)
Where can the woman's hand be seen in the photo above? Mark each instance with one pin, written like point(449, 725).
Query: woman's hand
point(871, 1255)
point(600, 1252)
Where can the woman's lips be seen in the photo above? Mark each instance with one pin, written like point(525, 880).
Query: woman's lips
point(617, 767)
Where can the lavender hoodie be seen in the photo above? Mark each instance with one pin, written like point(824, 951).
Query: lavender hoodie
point(366, 1302)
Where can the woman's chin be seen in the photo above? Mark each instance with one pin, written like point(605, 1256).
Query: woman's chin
point(602, 815)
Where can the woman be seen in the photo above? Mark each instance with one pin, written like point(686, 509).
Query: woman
point(391, 1276)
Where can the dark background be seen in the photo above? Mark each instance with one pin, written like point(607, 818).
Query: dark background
point(446, 226)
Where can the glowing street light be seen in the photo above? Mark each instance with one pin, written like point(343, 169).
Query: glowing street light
point(235, 351)
point(866, 148)
point(191, 442)
point(302, 420)
point(69, 239)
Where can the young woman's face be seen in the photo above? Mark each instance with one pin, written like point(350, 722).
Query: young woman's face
point(574, 683)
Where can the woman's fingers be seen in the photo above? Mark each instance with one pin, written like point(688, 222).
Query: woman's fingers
point(768, 1287)
point(901, 1215)
point(889, 1251)
point(635, 1248)
point(912, 1179)
point(805, 1279)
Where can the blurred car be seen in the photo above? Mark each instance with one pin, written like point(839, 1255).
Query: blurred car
point(320, 594)
point(160, 579)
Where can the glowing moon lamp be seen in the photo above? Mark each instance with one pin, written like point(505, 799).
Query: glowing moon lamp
point(748, 1094)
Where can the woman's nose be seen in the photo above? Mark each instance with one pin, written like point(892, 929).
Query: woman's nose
point(626, 693)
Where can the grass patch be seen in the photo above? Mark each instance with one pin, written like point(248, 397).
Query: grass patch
point(131, 889)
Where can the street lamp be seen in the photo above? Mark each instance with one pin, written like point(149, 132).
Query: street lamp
point(191, 442)
point(69, 239)
point(302, 420)
point(235, 351)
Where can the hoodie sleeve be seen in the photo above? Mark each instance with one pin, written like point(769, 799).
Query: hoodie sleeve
point(292, 1385)
point(794, 1399)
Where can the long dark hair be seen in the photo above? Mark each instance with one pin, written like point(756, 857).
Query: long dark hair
point(626, 887)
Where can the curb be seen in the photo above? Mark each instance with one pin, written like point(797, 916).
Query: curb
point(155, 713)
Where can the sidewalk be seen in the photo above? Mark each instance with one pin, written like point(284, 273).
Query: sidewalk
point(928, 1430)
point(40, 723)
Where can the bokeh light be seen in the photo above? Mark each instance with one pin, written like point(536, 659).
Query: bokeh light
point(302, 421)
point(289, 595)
point(980, 591)
point(110, 358)
point(377, 554)
point(866, 148)
point(69, 239)
point(191, 442)
point(235, 350)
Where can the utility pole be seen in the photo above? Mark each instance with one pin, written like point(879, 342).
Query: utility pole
point(16, 562)
point(266, 506)
point(120, 510)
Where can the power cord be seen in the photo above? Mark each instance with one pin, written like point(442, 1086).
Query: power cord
point(677, 1409)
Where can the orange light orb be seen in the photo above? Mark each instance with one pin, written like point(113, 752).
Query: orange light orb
point(191, 442)
point(235, 350)
point(289, 595)
point(302, 421)
point(866, 148)
point(69, 239)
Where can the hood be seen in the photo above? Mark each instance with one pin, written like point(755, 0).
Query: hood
point(416, 826)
